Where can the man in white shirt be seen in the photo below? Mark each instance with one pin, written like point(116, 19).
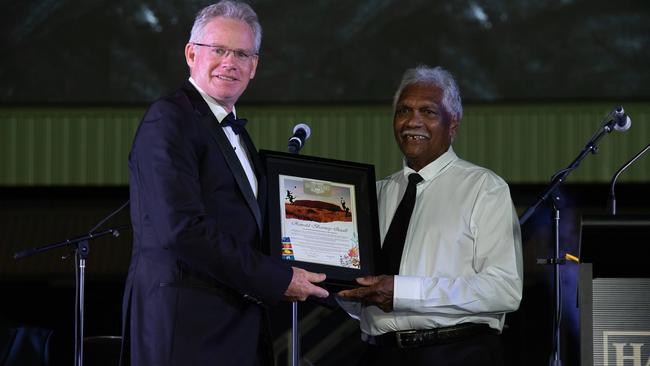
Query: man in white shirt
point(198, 283)
point(455, 269)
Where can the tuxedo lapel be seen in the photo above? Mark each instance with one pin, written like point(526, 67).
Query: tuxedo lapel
point(260, 172)
point(212, 125)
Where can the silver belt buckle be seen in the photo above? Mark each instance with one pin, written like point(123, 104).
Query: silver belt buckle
point(407, 338)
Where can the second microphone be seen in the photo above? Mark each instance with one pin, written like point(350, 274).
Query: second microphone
point(301, 133)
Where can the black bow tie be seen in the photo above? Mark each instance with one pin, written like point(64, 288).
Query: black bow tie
point(237, 124)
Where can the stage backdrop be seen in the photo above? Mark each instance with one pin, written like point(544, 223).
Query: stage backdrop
point(121, 51)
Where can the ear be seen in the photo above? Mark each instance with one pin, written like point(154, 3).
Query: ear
point(254, 66)
point(190, 55)
point(453, 127)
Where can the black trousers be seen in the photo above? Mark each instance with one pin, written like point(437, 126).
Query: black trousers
point(479, 350)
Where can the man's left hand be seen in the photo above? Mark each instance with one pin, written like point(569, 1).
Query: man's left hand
point(377, 290)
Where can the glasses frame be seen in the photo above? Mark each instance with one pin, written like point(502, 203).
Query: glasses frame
point(234, 52)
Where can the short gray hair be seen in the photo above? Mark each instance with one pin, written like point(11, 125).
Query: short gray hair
point(227, 9)
point(436, 76)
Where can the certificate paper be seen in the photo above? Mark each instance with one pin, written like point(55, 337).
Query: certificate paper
point(322, 215)
point(319, 222)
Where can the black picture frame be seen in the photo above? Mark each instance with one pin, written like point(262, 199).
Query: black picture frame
point(361, 176)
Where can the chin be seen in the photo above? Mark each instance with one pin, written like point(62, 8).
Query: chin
point(224, 97)
point(411, 150)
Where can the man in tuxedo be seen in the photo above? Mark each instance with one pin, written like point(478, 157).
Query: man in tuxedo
point(198, 283)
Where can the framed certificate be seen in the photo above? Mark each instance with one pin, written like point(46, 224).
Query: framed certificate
point(322, 215)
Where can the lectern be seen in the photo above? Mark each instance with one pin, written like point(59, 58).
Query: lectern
point(614, 290)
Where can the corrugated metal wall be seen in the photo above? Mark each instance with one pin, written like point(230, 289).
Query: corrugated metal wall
point(524, 143)
point(65, 146)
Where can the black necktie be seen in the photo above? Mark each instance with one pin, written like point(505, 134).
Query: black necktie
point(236, 124)
point(391, 251)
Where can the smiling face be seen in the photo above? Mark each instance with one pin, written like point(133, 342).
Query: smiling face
point(223, 78)
point(423, 128)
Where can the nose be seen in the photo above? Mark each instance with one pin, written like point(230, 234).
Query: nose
point(413, 120)
point(228, 60)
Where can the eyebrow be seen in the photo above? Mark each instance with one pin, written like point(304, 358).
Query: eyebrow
point(426, 104)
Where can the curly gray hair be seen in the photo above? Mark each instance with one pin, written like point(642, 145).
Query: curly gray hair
point(436, 76)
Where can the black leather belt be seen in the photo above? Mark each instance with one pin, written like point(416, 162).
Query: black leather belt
point(427, 337)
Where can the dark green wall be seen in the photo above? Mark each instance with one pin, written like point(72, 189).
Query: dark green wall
point(524, 143)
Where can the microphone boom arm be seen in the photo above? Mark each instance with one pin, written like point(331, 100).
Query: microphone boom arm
point(560, 176)
point(29, 252)
point(612, 196)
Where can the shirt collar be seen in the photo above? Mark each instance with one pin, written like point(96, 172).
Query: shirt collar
point(215, 107)
point(435, 167)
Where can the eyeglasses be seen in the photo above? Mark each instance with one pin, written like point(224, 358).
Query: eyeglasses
point(221, 52)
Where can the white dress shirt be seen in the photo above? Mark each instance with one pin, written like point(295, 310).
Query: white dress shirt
point(462, 258)
point(237, 145)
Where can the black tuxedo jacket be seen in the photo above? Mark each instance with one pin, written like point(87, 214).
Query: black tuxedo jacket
point(197, 282)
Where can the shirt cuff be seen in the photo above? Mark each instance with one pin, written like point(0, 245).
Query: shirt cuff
point(406, 289)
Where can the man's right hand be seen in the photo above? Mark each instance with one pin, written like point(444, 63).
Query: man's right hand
point(302, 285)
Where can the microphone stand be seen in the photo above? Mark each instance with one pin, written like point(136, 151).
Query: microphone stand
point(557, 179)
point(295, 336)
point(81, 248)
point(294, 146)
point(612, 195)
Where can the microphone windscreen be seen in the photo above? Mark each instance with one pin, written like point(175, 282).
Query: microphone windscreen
point(623, 124)
point(305, 127)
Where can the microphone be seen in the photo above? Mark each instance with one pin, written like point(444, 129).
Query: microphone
point(301, 133)
point(612, 196)
point(622, 121)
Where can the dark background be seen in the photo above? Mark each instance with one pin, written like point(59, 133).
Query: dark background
point(331, 50)
point(39, 291)
point(123, 53)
